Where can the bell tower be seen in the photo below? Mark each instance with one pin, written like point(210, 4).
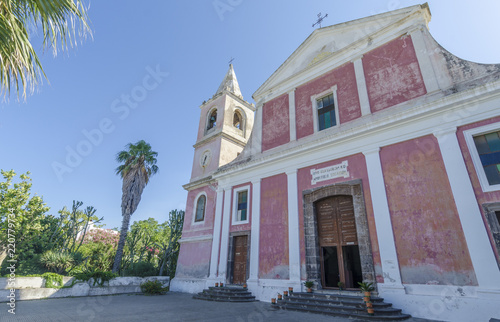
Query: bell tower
point(226, 121)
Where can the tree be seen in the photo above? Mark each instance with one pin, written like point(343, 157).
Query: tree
point(58, 20)
point(23, 216)
point(171, 247)
point(139, 164)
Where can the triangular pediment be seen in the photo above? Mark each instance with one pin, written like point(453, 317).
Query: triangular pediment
point(333, 40)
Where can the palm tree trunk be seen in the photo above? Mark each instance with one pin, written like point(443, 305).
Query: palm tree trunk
point(121, 243)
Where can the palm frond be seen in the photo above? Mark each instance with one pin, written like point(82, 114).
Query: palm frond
point(58, 20)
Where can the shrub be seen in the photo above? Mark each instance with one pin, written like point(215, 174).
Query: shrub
point(153, 288)
point(100, 277)
point(53, 280)
point(25, 267)
point(142, 269)
point(57, 262)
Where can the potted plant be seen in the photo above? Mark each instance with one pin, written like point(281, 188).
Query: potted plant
point(290, 290)
point(366, 288)
point(340, 285)
point(370, 309)
point(309, 285)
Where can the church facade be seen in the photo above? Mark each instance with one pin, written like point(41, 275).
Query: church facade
point(372, 154)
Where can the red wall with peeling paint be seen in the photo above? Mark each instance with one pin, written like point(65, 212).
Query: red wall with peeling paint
point(202, 228)
point(347, 96)
point(275, 122)
point(357, 170)
point(482, 197)
point(247, 226)
point(273, 242)
point(392, 74)
point(430, 242)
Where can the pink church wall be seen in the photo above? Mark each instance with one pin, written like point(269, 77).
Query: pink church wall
point(191, 229)
point(194, 259)
point(215, 147)
point(482, 197)
point(242, 227)
point(273, 243)
point(392, 74)
point(357, 170)
point(275, 123)
point(430, 242)
point(347, 96)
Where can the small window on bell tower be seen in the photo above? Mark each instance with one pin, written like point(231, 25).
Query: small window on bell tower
point(237, 120)
point(212, 120)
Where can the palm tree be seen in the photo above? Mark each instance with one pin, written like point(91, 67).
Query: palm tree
point(138, 165)
point(58, 19)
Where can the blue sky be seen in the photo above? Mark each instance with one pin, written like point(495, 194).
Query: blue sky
point(179, 51)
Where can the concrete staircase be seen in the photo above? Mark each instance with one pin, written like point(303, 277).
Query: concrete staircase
point(344, 303)
point(229, 293)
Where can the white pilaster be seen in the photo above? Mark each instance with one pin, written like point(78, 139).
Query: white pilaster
point(424, 61)
point(291, 112)
point(255, 233)
point(293, 227)
point(257, 130)
point(216, 235)
point(481, 253)
point(385, 234)
point(224, 240)
point(362, 90)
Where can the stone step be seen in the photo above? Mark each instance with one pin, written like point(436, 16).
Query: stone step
point(331, 307)
point(227, 291)
point(343, 301)
point(337, 297)
point(226, 294)
point(380, 316)
point(206, 297)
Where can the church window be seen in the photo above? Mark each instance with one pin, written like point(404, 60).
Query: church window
point(326, 112)
point(200, 209)
point(488, 148)
point(212, 119)
point(325, 109)
point(242, 206)
point(484, 147)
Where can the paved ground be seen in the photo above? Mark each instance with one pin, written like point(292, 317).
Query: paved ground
point(169, 307)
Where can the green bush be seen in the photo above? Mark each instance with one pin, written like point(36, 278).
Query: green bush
point(100, 277)
point(142, 269)
point(153, 288)
point(24, 267)
point(53, 280)
point(57, 262)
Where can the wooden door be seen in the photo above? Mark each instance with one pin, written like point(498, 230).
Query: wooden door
point(338, 242)
point(240, 259)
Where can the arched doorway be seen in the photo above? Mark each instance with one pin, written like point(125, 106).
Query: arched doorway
point(338, 243)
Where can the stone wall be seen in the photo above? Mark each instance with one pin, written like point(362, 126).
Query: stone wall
point(32, 288)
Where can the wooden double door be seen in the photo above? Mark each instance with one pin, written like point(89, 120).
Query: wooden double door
point(338, 243)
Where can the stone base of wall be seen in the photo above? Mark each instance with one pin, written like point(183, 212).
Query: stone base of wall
point(189, 285)
point(32, 288)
